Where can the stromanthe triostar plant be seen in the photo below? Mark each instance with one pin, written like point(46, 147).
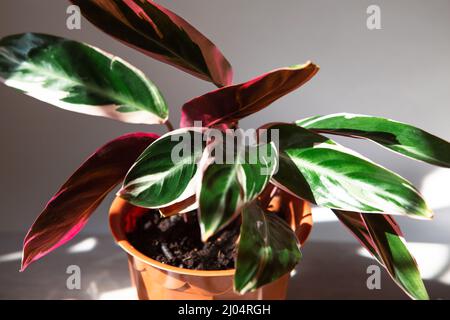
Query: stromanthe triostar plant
point(299, 162)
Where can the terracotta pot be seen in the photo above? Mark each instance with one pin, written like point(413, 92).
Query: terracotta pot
point(157, 281)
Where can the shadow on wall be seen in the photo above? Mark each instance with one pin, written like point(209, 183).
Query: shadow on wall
point(332, 270)
point(434, 187)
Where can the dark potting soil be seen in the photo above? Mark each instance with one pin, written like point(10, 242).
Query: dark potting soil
point(177, 241)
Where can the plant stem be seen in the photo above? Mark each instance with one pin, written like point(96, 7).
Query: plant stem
point(169, 126)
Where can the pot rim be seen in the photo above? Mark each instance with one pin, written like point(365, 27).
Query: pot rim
point(118, 206)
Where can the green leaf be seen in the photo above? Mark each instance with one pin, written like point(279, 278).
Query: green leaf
point(160, 34)
point(391, 250)
point(323, 172)
point(268, 249)
point(227, 187)
point(396, 136)
point(165, 172)
point(80, 78)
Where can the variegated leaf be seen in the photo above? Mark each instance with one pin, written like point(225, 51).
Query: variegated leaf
point(80, 78)
point(268, 249)
point(161, 34)
point(396, 136)
point(381, 235)
point(165, 172)
point(316, 169)
point(227, 187)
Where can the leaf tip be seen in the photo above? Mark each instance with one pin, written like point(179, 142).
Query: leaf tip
point(205, 233)
point(420, 294)
point(306, 65)
point(426, 213)
point(242, 288)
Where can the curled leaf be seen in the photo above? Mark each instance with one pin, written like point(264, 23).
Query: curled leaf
point(230, 104)
point(227, 187)
point(268, 249)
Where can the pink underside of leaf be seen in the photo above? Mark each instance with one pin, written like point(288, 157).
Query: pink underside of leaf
point(70, 208)
point(66, 238)
point(229, 104)
point(141, 13)
point(219, 70)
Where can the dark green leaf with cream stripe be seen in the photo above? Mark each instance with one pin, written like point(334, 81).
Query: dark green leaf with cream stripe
point(159, 33)
point(323, 172)
point(267, 250)
point(396, 136)
point(227, 187)
point(382, 236)
point(80, 78)
point(165, 173)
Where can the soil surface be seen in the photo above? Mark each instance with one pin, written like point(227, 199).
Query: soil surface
point(177, 241)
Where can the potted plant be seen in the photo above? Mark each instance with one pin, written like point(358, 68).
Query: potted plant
point(192, 224)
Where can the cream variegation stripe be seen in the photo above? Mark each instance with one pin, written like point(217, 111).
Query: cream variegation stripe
point(347, 193)
point(42, 76)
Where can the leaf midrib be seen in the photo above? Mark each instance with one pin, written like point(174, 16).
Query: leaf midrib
point(315, 168)
point(178, 167)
